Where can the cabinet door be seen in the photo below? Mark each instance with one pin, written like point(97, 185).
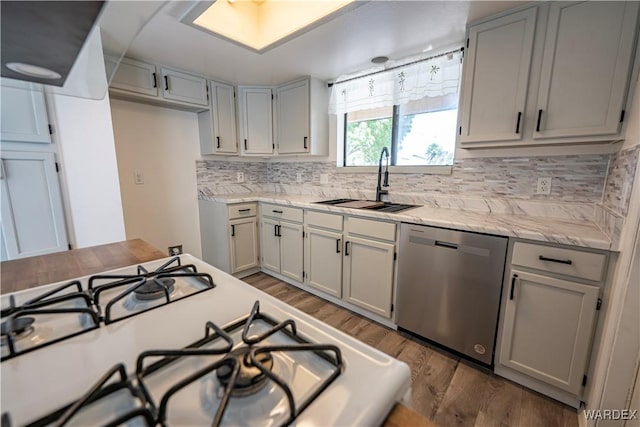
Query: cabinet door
point(184, 87)
point(23, 114)
point(547, 330)
point(496, 75)
point(585, 68)
point(32, 215)
point(293, 118)
point(291, 250)
point(243, 243)
point(256, 120)
point(368, 274)
point(323, 261)
point(136, 76)
point(270, 244)
point(224, 118)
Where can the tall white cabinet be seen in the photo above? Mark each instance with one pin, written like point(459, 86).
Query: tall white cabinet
point(217, 126)
point(292, 103)
point(32, 215)
point(256, 119)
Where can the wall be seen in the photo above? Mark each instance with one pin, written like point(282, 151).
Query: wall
point(162, 144)
point(89, 170)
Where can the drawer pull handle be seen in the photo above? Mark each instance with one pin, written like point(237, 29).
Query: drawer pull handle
point(446, 244)
point(559, 261)
point(346, 248)
point(275, 211)
point(233, 230)
point(155, 82)
point(513, 285)
point(217, 142)
point(539, 120)
point(166, 82)
point(305, 142)
point(244, 210)
point(518, 121)
point(275, 230)
point(279, 230)
point(338, 245)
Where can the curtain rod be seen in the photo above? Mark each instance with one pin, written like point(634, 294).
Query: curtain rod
point(461, 49)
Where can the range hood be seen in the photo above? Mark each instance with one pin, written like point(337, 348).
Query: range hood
point(68, 47)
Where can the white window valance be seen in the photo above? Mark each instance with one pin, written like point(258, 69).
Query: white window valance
point(417, 79)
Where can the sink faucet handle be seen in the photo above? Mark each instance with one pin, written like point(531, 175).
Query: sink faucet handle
point(386, 178)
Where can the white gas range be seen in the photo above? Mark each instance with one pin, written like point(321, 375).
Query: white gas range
point(220, 353)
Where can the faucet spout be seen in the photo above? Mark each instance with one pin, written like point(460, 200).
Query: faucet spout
point(379, 191)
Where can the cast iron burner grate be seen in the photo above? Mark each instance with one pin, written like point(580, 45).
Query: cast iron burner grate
point(18, 321)
point(228, 367)
point(145, 286)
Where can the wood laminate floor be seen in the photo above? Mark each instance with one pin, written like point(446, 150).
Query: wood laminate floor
point(445, 389)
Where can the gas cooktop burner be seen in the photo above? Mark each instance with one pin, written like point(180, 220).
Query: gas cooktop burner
point(19, 327)
point(153, 290)
point(250, 379)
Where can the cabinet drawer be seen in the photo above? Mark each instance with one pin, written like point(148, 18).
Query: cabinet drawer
point(376, 229)
point(282, 212)
point(323, 220)
point(576, 263)
point(242, 210)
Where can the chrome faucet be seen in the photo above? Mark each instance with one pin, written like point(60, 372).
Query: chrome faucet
point(385, 183)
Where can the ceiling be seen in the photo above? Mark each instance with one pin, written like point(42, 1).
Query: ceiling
point(343, 45)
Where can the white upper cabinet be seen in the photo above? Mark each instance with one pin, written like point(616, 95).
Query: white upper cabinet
point(552, 73)
point(136, 76)
point(179, 86)
point(256, 120)
point(218, 125)
point(23, 114)
point(496, 76)
point(157, 85)
point(292, 103)
point(585, 68)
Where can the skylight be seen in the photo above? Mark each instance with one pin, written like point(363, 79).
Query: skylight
point(262, 24)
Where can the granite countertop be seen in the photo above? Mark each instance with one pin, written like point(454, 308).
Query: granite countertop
point(581, 233)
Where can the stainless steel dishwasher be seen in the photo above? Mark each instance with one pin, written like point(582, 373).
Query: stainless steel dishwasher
point(449, 286)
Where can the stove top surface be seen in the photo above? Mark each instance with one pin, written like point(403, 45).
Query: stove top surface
point(39, 382)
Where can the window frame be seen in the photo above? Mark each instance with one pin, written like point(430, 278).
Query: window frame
point(342, 166)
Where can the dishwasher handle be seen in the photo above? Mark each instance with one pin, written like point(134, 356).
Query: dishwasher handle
point(446, 244)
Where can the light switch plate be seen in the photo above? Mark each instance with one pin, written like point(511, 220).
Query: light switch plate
point(138, 178)
point(240, 177)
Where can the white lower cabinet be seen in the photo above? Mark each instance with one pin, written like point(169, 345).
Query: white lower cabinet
point(323, 260)
point(368, 274)
point(243, 242)
point(547, 329)
point(235, 224)
point(549, 311)
point(282, 245)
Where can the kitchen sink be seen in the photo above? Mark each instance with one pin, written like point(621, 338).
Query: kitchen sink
point(369, 205)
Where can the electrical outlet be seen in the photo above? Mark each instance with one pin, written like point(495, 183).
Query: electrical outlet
point(324, 178)
point(299, 178)
point(138, 178)
point(240, 177)
point(175, 250)
point(544, 186)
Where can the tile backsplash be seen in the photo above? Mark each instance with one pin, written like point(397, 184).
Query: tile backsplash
point(620, 176)
point(575, 178)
